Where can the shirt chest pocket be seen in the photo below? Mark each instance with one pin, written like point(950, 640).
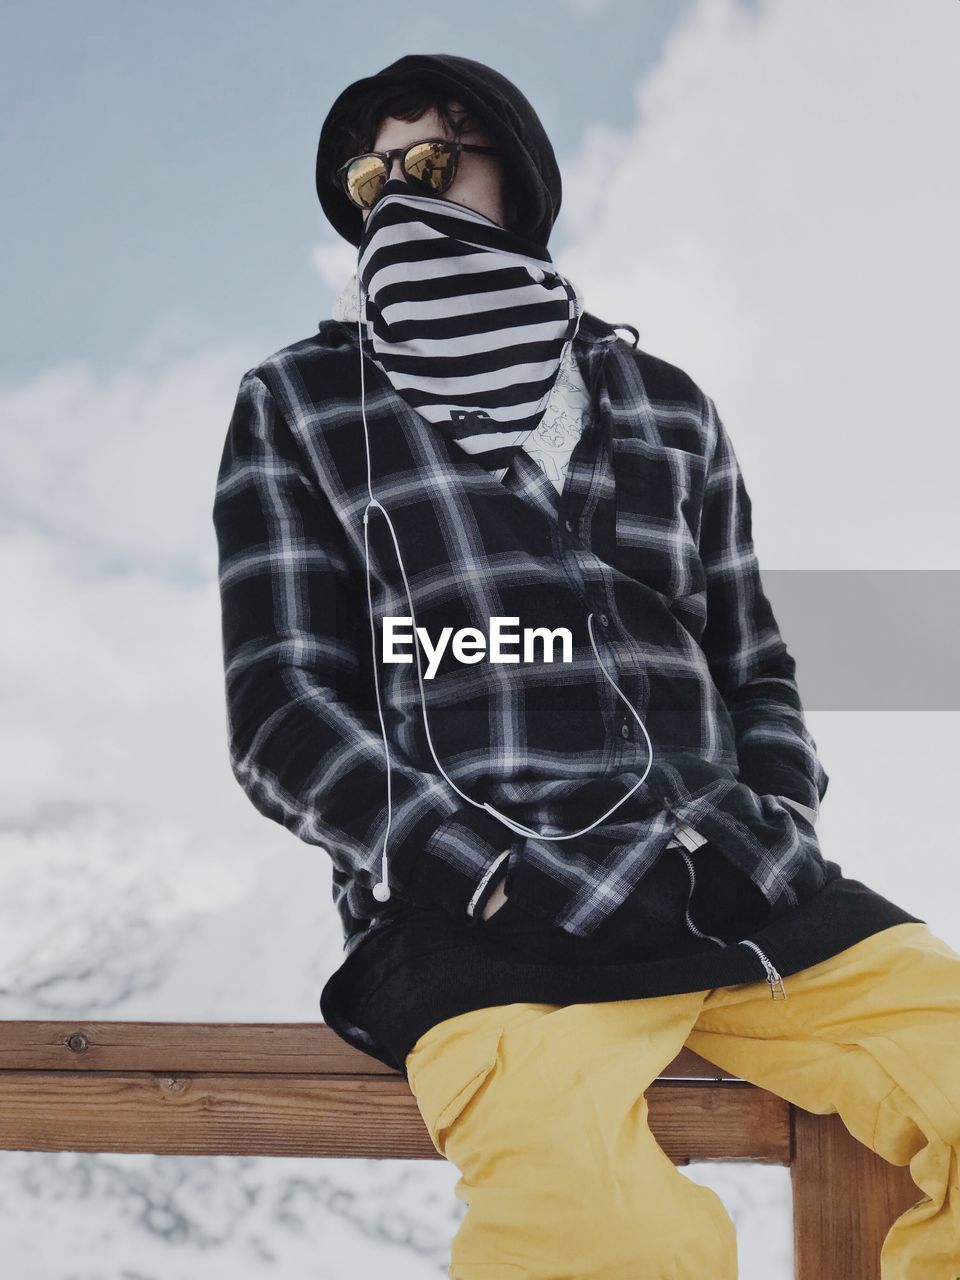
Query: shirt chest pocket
point(658, 510)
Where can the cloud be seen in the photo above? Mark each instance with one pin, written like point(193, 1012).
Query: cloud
point(780, 221)
point(334, 262)
point(118, 473)
point(116, 793)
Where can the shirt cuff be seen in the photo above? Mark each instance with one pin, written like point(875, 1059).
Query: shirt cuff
point(484, 892)
point(808, 813)
point(459, 862)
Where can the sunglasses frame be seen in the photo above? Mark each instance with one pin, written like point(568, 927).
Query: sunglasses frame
point(387, 158)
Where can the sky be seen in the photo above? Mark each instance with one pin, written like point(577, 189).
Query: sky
point(762, 190)
point(165, 153)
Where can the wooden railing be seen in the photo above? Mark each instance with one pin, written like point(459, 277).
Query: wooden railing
point(296, 1089)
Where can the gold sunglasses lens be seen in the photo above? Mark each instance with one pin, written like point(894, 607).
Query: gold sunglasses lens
point(365, 179)
point(431, 164)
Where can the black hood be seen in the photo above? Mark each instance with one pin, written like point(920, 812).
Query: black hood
point(530, 166)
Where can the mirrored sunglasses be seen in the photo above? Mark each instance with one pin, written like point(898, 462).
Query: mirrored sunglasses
point(429, 165)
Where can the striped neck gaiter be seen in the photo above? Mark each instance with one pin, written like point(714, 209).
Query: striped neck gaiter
point(468, 320)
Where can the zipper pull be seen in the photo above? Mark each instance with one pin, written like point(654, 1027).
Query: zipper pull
point(776, 983)
point(773, 978)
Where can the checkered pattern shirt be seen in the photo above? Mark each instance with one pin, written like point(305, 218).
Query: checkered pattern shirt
point(651, 533)
point(568, 413)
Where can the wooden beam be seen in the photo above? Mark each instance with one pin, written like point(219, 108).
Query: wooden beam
point(297, 1089)
point(845, 1199)
point(263, 1047)
point(217, 1113)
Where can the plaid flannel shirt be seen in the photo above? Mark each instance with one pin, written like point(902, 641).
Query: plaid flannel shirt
point(652, 534)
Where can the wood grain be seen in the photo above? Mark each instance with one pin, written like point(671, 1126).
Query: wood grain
point(297, 1089)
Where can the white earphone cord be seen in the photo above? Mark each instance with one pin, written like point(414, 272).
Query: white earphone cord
point(381, 891)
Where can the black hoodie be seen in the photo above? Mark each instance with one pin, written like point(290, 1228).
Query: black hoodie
point(530, 165)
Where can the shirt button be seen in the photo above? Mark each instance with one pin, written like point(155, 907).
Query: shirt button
point(604, 620)
point(568, 525)
point(624, 731)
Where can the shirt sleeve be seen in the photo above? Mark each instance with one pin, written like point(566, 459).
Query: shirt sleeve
point(748, 659)
point(304, 734)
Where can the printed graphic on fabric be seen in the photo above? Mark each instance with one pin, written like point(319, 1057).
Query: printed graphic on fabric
point(469, 645)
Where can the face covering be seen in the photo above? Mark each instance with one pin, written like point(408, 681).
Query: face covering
point(469, 321)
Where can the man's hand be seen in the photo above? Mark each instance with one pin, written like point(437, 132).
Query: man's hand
point(496, 899)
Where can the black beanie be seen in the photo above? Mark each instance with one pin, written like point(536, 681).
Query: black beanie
point(506, 115)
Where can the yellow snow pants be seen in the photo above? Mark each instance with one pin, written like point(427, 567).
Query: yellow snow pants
point(541, 1108)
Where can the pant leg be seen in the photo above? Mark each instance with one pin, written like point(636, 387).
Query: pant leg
point(872, 1034)
point(542, 1109)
